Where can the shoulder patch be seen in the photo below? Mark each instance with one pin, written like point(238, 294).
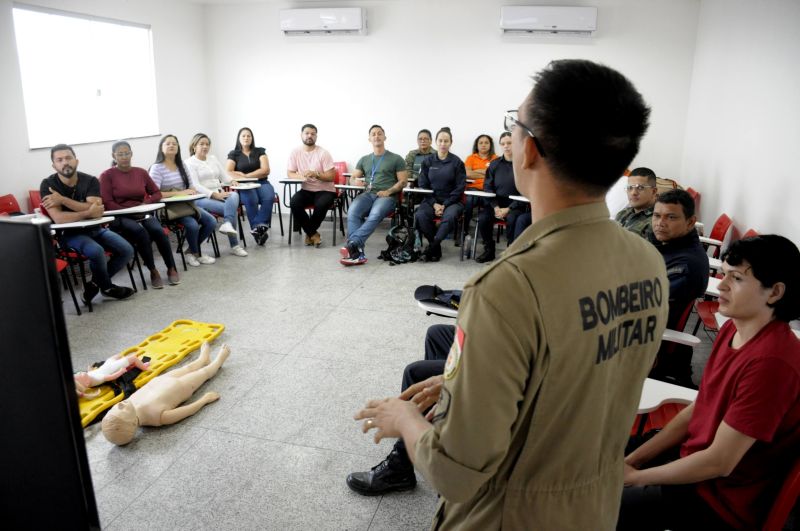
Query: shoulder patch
point(454, 357)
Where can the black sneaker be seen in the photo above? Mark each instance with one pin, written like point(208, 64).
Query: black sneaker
point(262, 235)
point(90, 292)
point(391, 474)
point(117, 292)
point(353, 249)
point(486, 256)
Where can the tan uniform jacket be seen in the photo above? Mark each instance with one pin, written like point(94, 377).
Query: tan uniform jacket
point(541, 392)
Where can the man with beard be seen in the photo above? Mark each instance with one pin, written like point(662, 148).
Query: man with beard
point(70, 195)
point(314, 166)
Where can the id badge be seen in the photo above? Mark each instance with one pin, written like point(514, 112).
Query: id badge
point(368, 189)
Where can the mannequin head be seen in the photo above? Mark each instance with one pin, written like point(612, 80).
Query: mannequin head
point(120, 423)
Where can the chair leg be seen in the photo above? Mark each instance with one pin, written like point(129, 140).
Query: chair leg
point(139, 265)
point(280, 218)
point(130, 274)
point(333, 213)
point(83, 280)
point(65, 280)
point(214, 244)
point(179, 236)
point(241, 227)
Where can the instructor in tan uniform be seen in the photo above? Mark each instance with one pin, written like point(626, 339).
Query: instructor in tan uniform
point(537, 403)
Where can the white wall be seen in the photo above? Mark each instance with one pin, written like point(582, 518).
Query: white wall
point(180, 84)
point(430, 63)
point(743, 130)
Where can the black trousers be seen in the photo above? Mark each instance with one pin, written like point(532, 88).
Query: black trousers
point(438, 340)
point(322, 202)
point(424, 221)
point(142, 234)
point(486, 221)
point(659, 507)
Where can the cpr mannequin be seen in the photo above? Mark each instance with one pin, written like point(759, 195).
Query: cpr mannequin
point(157, 403)
point(110, 370)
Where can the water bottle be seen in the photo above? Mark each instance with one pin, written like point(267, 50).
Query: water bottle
point(468, 246)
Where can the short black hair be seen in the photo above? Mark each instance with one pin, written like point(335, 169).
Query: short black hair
point(373, 126)
point(588, 119)
point(310, 126)
point(60, 147)
point(678, 197)
point(645, 172)
point(503, 135)
point(426, 131)
point(491, 144)
point(773, 259)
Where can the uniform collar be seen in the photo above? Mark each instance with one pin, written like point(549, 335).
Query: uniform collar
point(583, 214)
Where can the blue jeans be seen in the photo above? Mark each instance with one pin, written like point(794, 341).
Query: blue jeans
point(258, 204)
point(197, 232)
point(226, 209)
point(364, 215)
point(93, 245)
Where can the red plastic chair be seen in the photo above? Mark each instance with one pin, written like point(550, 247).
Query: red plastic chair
point(34, 199)
point(341, 169)
point(9, 205)
point(785, 501)
point(718, 234)
point(696, 196)
point(750, 233)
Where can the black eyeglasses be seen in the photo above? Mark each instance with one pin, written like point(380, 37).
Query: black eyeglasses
point(511, 121)
point(638, 187)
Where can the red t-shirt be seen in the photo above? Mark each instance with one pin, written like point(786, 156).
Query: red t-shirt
point(756, 390)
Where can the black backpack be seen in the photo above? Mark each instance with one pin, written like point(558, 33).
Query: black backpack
point(402, 246)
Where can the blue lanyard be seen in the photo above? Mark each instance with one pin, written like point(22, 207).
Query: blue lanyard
point(375, 168)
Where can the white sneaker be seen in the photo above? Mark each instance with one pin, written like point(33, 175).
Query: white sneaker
point(227, 228)
point(207, 260)
point(238, 251)
point(192, 260)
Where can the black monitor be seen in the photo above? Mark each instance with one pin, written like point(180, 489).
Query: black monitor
point(45, 482)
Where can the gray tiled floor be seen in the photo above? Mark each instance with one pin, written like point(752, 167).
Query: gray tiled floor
point(311, 341)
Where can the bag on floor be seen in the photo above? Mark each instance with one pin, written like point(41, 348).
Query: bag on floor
point(402, 248)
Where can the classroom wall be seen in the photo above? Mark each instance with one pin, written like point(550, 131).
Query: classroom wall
point(430, 63)
point(180, 62)
point(423, 63)
point(743, 127)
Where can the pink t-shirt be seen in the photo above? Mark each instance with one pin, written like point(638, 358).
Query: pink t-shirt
point(317, 159)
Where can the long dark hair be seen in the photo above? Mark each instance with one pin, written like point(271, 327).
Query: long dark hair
point(178, 160)
point(491, 144)
point(252, 143)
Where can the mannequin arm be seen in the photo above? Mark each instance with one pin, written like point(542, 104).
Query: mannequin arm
point(179, 413)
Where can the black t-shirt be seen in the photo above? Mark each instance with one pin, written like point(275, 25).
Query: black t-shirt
point(87, 186)
point(247, 164)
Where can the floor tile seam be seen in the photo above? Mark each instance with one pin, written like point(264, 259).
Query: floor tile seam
point(155, 480)
point(377, 508)
point(331, 310)
point(282, 441)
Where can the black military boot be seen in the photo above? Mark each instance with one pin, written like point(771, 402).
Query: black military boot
point(395, 473)
point(486, 256)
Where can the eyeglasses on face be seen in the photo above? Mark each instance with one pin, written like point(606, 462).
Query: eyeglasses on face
point(511, 121)
point(638, 187)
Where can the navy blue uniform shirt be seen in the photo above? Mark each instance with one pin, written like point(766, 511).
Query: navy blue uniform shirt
point(447, 178)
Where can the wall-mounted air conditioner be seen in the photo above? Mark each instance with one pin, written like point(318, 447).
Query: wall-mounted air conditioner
point(548, 19)
point(323, 20)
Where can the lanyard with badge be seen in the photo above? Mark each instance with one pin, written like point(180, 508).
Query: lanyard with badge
point(375, 167)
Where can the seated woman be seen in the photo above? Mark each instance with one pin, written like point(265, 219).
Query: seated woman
point(719, 463)
point(124, 186)
point(248, 161)
point(416, 156)
point(171, 176)
point(500, 181)
point(443, 173)
point(207, 177)
point(476, 165)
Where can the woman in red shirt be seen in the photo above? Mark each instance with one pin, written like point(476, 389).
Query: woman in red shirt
point(731, 448)
point(124, 186)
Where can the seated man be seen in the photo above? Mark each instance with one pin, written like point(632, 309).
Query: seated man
point(384, 176)
point(732, 447)
point(641, 190)
point(396, 472)
point(674, 236)
point(69, 195)
point(314, 166)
